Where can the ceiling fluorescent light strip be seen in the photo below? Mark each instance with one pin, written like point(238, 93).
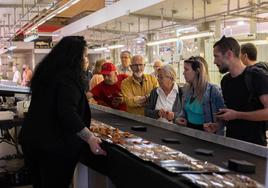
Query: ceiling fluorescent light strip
point(115, 46)
point(30, 38)
point(109, 47)
point(197, 35)
point(74, 2)
point(183, 37)
point(100, 49)
point(10, 48)
point(186, 29)
point(49, 17)
point(162, 41)
point(256, 42)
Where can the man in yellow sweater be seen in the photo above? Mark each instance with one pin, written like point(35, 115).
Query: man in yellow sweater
point(137, 87)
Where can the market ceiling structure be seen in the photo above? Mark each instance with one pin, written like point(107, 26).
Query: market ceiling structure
point(16, 16)
point(163, 15)
point(123, 18)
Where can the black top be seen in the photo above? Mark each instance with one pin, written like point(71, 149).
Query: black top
point(56, 113)
point(236, 94)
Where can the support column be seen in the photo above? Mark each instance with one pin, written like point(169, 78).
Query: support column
point(151, 51)
point(217, 29)
point(201, 41)
point(252, 26)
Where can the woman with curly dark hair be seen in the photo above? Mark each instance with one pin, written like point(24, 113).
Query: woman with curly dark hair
point(56, 126)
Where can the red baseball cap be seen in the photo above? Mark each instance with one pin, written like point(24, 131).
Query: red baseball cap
point(107, 68)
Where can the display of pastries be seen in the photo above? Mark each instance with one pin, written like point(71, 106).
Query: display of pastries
point(172, 160)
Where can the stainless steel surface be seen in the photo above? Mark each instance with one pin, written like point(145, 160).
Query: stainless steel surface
point(221, 140)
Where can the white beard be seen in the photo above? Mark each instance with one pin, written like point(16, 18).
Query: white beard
point(138, 74)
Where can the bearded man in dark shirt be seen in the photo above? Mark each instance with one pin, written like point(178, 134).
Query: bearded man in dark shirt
point(245, 118)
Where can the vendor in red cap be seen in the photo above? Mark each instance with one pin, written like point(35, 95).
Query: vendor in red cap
point(108, 92)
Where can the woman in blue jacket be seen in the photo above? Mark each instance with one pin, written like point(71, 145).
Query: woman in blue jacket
point(201, 99)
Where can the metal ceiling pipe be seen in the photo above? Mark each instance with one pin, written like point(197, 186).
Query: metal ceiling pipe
point(192, 9)
point(22, 6)
point(8, 22)
point(237, 10)
point(213, 17)
point(148, 24)
point(36, 5)
point(205, 8)
point(139, 24)
point(228, 6)
point(1, 30)
point(162, 17)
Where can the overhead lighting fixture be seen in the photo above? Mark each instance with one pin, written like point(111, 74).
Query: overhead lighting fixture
point(255, 42)
point(186, 29)
point(181, 37)
point(197, 35)
point(10, 48)
point(74, 2)
point(49, 17)
point(100, 49)
point(30, 38)
point(153, 43)
point(241, 22)
point(109, 47)
point(115, 46)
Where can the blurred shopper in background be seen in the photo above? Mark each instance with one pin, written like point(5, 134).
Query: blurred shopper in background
point(249, 58)
point(248, 54)
point(26, 75)
point(108, 92)
point(56, 127)
point(17, 75)
point(165, 101)
point(157, 64)
point(97, 76)
point(87, 75)
point(124, 67)
point(246, 112)
point(201, 99)
point(137, 87)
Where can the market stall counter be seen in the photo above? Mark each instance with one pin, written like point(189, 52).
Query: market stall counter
point(128, 170)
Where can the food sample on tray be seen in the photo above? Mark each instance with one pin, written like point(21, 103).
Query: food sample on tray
point(204, 174)
point(174, 166)
point(107, 132)
point(219, 180)
point(148, 152)
point(189, 166)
